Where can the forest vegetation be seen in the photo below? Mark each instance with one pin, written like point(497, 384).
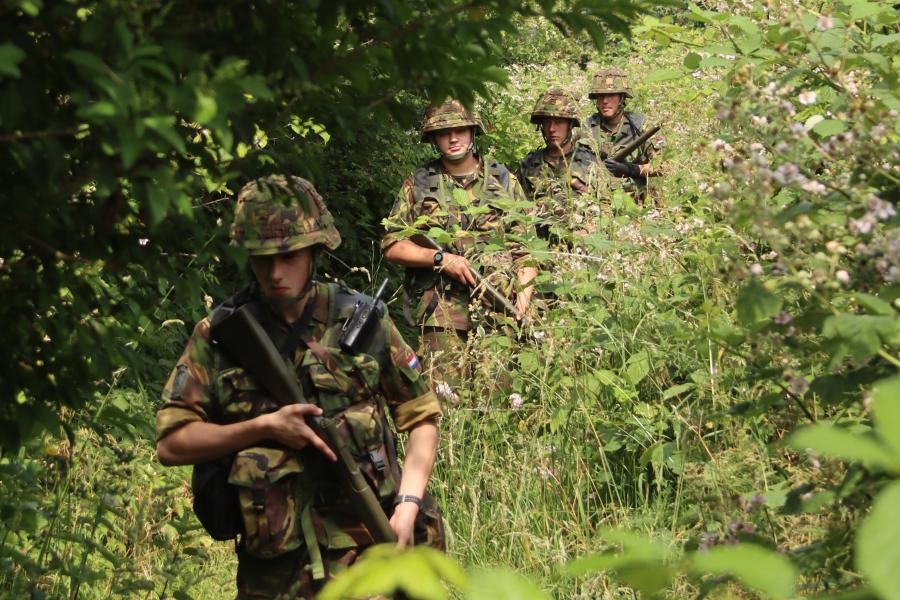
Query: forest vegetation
point(710, 407)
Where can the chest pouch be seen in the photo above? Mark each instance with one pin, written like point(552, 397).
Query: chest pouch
point(345, 390)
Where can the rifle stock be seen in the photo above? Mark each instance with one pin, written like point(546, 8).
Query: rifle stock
point(244, 339)
point(421, 239)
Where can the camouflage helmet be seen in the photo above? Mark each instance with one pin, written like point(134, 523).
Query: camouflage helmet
point(278, 214)
point(558, 103)
point(450, 113)
point(610, 81)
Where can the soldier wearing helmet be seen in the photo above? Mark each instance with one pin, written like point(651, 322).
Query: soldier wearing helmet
point(293, 521)
point(557, 175)
point(461, 193)
point(612, 127)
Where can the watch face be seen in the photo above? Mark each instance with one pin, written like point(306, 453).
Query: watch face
point(438, 257)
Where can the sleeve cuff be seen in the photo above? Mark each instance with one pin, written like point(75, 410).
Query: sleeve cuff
point(171, 418)
point(414, 411)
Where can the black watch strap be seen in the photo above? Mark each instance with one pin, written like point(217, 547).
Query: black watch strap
point(407, 498)
point(438, 258)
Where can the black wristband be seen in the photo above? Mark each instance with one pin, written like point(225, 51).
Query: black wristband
point(406, 498)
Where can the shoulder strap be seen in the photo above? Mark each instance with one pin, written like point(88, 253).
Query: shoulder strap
point(636, 120)
point(426, 177)
point(500, 172)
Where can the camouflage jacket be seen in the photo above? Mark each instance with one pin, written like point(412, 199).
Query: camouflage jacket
point(290, 500)
point(606, 141)
point(477, 212)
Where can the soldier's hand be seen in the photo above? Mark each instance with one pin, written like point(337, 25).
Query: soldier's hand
point(457, 267)
point(288, 426)
point(622, 169)
point(523, 301)
point(403, 522)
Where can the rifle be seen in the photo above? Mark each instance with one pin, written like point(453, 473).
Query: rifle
point(421, 239)
point(624, 151)
point(358, 324)
point(241, 335)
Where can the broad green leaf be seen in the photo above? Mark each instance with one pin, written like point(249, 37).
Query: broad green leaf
point(758, 568)
point(863, 10)
point(755, 304)
point(877, 550)
point(663, 75)
point(10, 57)
point(886, 406)
point(502, 584)
point(637, 367)
point(858, 335)
point(677, 389)
point(833, 442)
point(874, 305)
point(102, 110)
point(164, 126)
point(206, 109)
point(829, 127)
point(692, 61)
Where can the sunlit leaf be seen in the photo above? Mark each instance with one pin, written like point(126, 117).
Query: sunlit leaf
point(877, 550)
point(758, 568)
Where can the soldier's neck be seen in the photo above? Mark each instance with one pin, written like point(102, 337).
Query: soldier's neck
point(464, 166)
point(554, 151)
point(614, 120)
point(292, 312)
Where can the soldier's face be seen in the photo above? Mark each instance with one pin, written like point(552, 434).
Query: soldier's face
point(282, 276)
point(555, 130)
point(608, 104)
point(454, 140)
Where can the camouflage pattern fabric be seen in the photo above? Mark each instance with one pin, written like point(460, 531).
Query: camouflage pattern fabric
point(558, 103)
point(277, 214)
point(610, 81)
point(605, 141)
point(473, 210)
point(291, 504)
point(451, 113)
point(564, 188)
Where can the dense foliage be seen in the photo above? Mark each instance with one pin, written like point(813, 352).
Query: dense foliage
point(717, 374)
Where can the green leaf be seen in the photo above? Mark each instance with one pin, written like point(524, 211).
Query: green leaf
point(829, 127)
point(206, 109)
point(97, 110)
point(10, 57)
point(831, 441)
point(663, 75)
point(860, 336)
point(758, 568)
point(874, 305)
point(637, 367)
point(677, 389)
point(886, 408)
point(755, 304)
point(692, 61)
point(502, 584)
point(164, 126)
point(863, 10)
point(877, 550)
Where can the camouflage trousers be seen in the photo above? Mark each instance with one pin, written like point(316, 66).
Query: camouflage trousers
point(444, 351)
point(287, 577)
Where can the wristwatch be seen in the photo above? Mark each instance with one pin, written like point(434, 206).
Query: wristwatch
point(438, 258)
point(405, 498)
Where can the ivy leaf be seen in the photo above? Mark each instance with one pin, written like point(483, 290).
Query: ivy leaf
point(756, 304)
point(758, 568)
point(877, 551)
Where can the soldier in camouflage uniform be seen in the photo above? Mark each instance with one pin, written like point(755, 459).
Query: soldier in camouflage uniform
point(467, 196)
point(298, 528)
point(612, 127)
point(562, 176)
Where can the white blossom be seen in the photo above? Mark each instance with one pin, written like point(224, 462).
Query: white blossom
point(842, 276)
point(807, 98)
point(814, 187)
point(756, 269)
point(825, 23)
point(882, 209)
point(515, 401)
point(864, 225)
